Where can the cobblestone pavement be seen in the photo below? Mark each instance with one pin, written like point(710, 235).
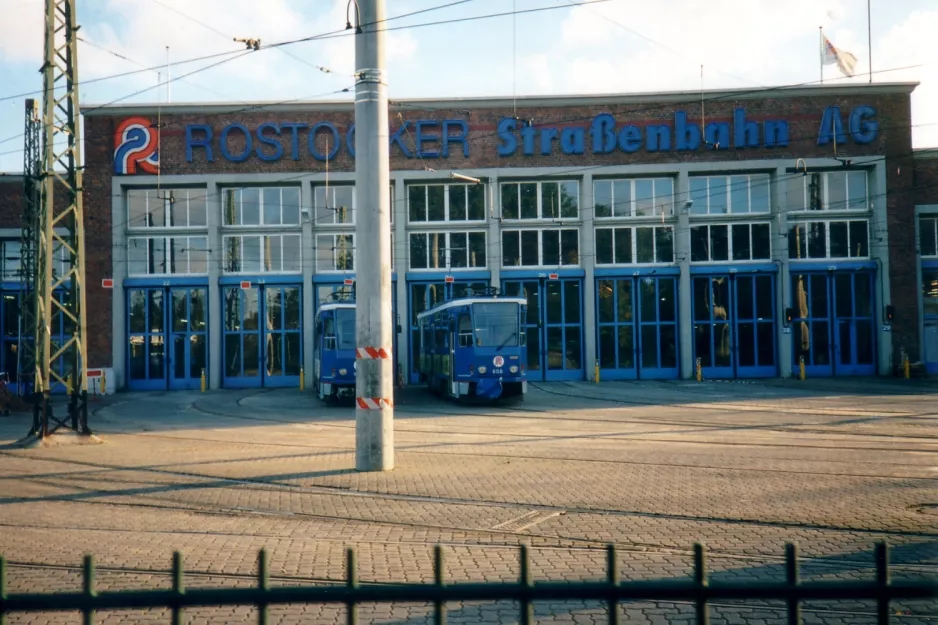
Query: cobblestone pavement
point(833, 465)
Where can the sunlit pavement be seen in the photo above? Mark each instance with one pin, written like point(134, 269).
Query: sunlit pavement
point(834, 465)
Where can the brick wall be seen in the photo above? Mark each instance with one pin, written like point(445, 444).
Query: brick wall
point(926, 177)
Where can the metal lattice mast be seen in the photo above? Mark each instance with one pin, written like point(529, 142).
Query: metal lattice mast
point(61, 229)
point(29, 243)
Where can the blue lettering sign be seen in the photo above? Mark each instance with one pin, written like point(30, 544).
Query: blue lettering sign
point(248, 143)
point(506, 129)
point(603, 132)
point(547, 136)
point(332, 142)
point(630, 139)
point(572, 140)
point(421, 136)
point(462, 137)
point(718, 135)
point(687, 136)
point(862, 131)
point(262, 140)
point(831, 124)
point(294, 129)
point(396, 138)
point(204, 142)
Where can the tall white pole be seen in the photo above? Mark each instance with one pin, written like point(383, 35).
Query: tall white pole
point(374, 385)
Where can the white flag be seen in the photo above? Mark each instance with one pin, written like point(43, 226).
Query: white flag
point(846, 62)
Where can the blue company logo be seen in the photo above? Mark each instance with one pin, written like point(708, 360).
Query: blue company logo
point(427, 139)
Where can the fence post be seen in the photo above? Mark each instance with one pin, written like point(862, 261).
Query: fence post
point(791, 576)
point(352, 583)
point(612, 576)
point(700, 578)
point(88, 583)
point(263, 582)
point(3, 588)
point(527, 609)
point(178, 587)
point(440, 615)
point(882, 580)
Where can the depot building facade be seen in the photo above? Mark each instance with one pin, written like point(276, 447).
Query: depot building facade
point(741, 232)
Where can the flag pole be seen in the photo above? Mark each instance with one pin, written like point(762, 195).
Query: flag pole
point(869, 38)
point(820, 34)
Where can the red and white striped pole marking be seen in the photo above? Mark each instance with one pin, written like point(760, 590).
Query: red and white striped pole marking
point(373, 353)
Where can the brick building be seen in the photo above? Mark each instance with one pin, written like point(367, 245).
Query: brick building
point(648, 232)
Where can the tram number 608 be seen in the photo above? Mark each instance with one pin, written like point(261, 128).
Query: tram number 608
point(497, 371)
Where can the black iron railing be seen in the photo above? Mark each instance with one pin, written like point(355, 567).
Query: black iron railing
point(698, 590)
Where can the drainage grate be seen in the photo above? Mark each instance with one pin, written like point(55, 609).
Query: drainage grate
point(527, 520)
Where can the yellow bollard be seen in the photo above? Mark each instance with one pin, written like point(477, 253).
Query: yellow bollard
point(103, 384)
point(801, 367)
point(596, 372)
point(906, 367)
point(203, 379)
point(699, 371)
point(302, 379)
point(68, 384)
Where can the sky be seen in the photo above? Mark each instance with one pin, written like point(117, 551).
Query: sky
point(569, 47)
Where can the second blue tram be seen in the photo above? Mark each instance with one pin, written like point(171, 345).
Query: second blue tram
point(334, 351)
point(474, 347)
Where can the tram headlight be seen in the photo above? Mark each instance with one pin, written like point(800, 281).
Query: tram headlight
point(343, 371)
point(513, 368)
point(482, 369)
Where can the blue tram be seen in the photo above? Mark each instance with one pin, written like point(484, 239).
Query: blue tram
point(334, 350)
point(474, 346)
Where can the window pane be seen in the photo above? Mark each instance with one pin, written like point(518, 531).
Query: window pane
point(290, 206)
point(157, 252)
point(930, 292)
point(817, 244)
point(476, 202)
point(664, 245)
point(664, 195)
point(436, 210)
point(602, 198)
point(530, 242)
point(178, 255)
point(251, 254)
point(856, 190)
point(741, 242)
point(718, 195)
point(324, 253)
point(761, 241)
point(457, 202)
point(178, 208)
point(418, 203)
point(418, 251)
point(623, 245)
point(233, 254)
point(197, 207)
point(273, 257)
point(529, 201)
point(622, 192)
point(511, 253)
point(345, 252)
point(719, 243)
point(797, 242)
point(645, 245)
point(477, 251)
point(606, 307)
point(569, 200)
point(509, 201)
point(839, 243)
point(644, 197)
point(250, 207)
point(272, 206)
point(137, 257)
point(699, 244)
point(136, 208)
point(290, 246)
point(859, 239)
point(927, 242)
point(759, 193)
point(550, 200)
point(604, 246)
point(342, 205)
point(698, 194)
point(836, 182)
point(570, 247)
point(739, 194)
point(458, 252)
point(156, 206)
point(551, 244)
point(436, 249)
point(198, 255)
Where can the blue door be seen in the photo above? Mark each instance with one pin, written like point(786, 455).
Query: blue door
point(425, 295)
point(637, 322)
point(734, 325)
point(834, 327)
point(554, 326)
point(167, 337)
point(263, 344)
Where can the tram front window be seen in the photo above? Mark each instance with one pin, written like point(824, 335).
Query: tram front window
point(496, 325)
point(345, 328)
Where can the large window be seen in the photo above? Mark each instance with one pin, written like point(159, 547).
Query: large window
point(12, 259)
point(736, 194)
point(447, 250)
point(335, 204)
point(445, 202)
point(540, 248)
point(263, 253)
point(928, 236)
point(335, 252)
point(637, 197)
point(262, 206)
point(836, 190)
point(626, 246)
point(737, 242)
point(166, 208)
point(147, 256)
point(829, 239)
point(541, 200)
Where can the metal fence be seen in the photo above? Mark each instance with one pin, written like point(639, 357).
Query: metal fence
point(612, 590)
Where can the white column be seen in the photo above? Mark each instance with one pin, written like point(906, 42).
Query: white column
point(493, 239)
point(308, 269)
point(401, 259)
point(682, 255)
point(588, 262)
point(119, 294)
point(780, 206)
point(879, 250)
point(213, 220)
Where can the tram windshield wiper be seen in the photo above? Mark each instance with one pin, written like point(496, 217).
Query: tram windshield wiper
point(505, 342)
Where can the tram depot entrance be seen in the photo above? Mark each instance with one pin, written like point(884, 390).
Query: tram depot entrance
point(263, 335)
point(637, 327)
point(167, 337)
point(734, 325)
point(554, 326)
point(833, 326)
